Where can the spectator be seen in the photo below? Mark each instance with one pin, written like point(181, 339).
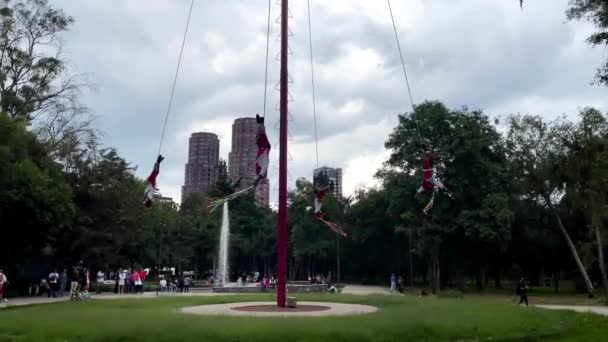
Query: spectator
point(53, 283)
point(63, 282)
point(163, 284)
point(181, 283)
point(132, 280)
point(400, 284)
point(44, 288)
point(100, 281)
point(127, 274)
point(239, 281)
point(142, 278)
point(85, 281)
point(33, 291)
point(74, 280)
point(522, 291)
point(393, 282)
point(3, 283)
point(187, 283)
point(136, 281)
point(121, 280)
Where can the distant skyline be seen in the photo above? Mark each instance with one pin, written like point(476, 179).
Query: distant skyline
point(485, 54)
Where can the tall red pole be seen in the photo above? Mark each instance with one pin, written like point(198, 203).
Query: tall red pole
point(282, 226)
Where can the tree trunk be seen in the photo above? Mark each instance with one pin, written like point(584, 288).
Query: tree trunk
point(497, 278)
point(573, 250)
point(434, 274)
point(480, 279)
point(600, 258)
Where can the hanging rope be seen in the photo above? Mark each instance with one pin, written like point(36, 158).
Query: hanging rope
point(266, 71)
point(407, 82)
point(179, 62)
point(312, 78)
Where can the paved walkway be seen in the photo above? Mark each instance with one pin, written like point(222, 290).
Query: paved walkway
point(365, 290)
point(600, 310)
point(24, 301)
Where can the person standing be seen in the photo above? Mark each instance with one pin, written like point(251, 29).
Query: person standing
point(393, 282)
point(100, 281)
point(121, 280)
point(54, 283)
point(63, 282)
point(522, 291)
point(74, 281)
point(3, 283)
point(187, 283)
point(142, 278)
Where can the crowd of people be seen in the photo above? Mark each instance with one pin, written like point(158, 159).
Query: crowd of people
point(182, 283)
point(77, 282)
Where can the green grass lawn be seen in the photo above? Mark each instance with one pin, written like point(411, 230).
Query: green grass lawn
point(399, 318)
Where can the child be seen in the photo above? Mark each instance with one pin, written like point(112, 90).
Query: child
point(151, 187)
point(261, 162)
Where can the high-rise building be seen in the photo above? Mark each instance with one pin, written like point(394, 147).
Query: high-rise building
point(202, 167)
point(334, 175)
point(241, 160)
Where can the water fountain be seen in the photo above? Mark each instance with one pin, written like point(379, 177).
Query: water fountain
point(222, 276)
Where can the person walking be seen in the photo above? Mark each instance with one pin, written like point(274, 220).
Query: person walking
point(100, 281)
point(63, 282)
point(54, 283)
point(522, 291)
point(393, 282)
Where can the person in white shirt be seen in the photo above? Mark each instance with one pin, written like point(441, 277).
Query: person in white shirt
point(121, 280)
point(163, 284)
point(3, 282)
point(100, 280)
point(54, 283)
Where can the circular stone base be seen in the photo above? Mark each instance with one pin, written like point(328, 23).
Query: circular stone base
point(269, 309)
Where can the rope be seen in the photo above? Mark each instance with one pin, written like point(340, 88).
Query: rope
point(179, 62)
point(407, 82)
point(312, 78)
point(266, 71)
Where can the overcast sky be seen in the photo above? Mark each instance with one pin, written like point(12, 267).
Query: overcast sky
point(486, 54)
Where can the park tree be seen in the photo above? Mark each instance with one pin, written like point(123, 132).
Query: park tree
point(313, 243)
point(596, 12)
point(35, 200)
point(470, 157)
point(36, 83)
point(537, 155)
point(586, 176)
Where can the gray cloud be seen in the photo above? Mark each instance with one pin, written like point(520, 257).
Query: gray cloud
point(480, 53)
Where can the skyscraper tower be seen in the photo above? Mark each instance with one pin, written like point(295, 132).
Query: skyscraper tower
point(241, 159)
point(334, 175)
point(201, 170)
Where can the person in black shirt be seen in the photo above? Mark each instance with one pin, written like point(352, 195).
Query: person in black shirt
point(522, 291)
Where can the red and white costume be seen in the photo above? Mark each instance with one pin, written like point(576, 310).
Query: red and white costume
point(262, 159)
point(429, 181)
point(319, 194)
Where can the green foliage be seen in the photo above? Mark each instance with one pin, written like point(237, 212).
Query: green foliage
point(35, 200)
point(595, 11)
